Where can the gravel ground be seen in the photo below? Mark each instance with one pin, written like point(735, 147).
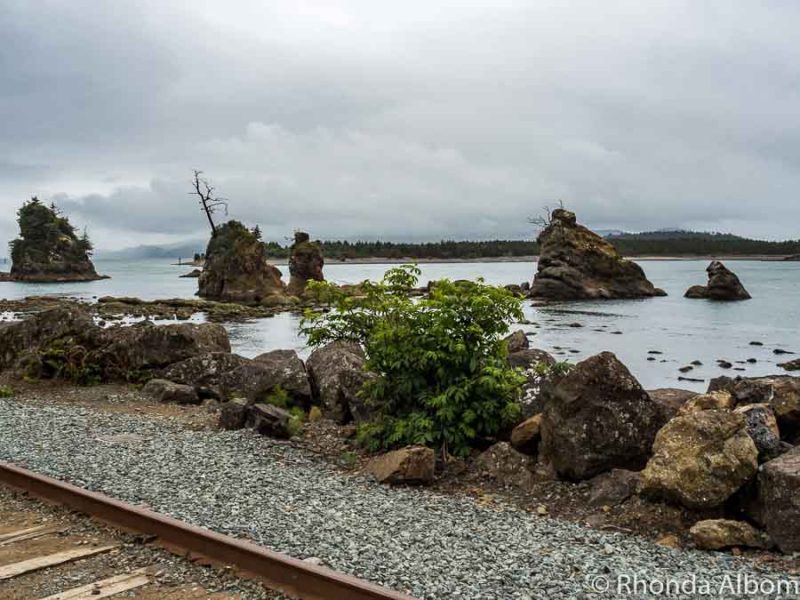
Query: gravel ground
point(429, 545)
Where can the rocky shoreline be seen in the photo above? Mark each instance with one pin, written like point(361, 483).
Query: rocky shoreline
point(590, 447)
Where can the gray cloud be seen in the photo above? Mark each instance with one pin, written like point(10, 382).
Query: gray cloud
point(407, 121)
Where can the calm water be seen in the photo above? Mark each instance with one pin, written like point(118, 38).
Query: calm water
point(683, 330)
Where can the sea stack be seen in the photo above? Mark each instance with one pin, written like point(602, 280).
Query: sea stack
point(236, 269)
point(305, 263)
point(577, 264)
point(48, 249)
point(723, 284)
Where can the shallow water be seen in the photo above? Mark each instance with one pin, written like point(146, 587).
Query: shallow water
point(683, 330)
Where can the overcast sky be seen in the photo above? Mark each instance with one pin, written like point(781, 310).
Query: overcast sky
point(402, 120)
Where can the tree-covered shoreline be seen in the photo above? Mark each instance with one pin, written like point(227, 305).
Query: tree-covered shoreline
point(644, 244)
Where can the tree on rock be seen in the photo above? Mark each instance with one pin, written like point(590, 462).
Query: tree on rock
point(48, 249)
point(209, 202)
point(577, 264)
point(305, 263)
point(236, 268)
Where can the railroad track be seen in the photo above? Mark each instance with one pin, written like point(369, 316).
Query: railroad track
point(278, 572)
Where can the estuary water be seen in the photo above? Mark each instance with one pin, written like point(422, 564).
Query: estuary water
point(679, 329)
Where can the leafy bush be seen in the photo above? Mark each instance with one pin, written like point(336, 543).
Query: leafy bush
point(443, 376)
point(6, 391)
point(279, 397)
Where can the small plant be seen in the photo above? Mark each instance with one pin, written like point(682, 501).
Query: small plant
point(279, 397)
point(315, 414)
point(443, 376)
point(6, 391)
point(348, 459)
point(296, 423)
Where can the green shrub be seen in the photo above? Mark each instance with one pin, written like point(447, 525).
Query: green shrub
point(443, 378)
point(6, 391)
point(278, 396)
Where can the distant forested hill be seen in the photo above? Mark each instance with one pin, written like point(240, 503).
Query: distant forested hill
point(650, 243)
point(657, 243)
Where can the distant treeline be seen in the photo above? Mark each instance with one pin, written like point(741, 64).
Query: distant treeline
point(644, 244)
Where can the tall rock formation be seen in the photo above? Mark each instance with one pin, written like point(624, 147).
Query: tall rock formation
point(236, 269)
point(305, 263)
point(577, 264)
point(48, 249)
point(723, 284)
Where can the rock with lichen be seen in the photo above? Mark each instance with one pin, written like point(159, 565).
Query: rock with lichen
point(305, 263)
point(48, 248)
point(577, 264)
point(236, 269)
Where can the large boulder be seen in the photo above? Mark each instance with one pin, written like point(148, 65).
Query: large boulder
point(333, 381)
point(596, 419)
point(716, 534)
point(577, 264)
point(779, 501)
point(288, 372)
point(277, 377)
point(305, 263)
point(162, 390)
point(41, 329)
point(723, 284)
point(236, 269)
point(205, 371)
point(146, 346)
point(411, 465)
point(700, 459)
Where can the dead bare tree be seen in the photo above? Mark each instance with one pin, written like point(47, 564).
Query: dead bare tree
point(544, 220)
point(209, 203)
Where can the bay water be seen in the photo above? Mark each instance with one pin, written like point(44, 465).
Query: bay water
point(678, 329)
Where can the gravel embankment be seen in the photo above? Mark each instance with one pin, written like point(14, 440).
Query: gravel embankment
point(429, 545)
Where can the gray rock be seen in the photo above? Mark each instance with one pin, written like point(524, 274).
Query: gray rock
point(233, 414)
point(270, 420)
point(162, 390)
point(613, 488)
point(205, 371)
point(505, 466)
point(330, 386)
point(289, 372)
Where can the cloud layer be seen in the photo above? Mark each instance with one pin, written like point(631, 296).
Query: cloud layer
point(411, 120)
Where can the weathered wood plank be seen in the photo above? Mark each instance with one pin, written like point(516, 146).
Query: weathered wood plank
point(42, 562)
point(31, 534)
point(11, 534)
point(105, 587)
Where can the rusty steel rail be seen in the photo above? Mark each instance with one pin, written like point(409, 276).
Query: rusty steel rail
point(277, 571)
